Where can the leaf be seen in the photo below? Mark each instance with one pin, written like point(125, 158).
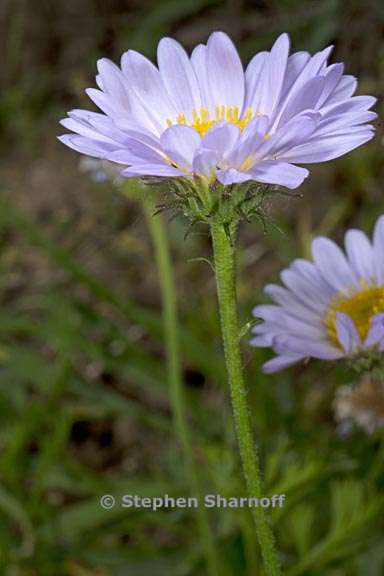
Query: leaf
point(300, 525)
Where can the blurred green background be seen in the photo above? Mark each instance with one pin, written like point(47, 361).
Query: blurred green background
point(84, 408)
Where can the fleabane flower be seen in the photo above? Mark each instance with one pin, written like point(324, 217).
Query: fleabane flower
point(330, 308)
point(204, 116)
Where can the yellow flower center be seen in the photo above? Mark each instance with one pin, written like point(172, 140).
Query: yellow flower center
point(202, 121)
point(359, 306)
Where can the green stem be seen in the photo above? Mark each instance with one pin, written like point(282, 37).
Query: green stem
point(224, 257)
point(164, 266)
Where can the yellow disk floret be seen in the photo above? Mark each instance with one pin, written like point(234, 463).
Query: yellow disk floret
point(202, 121)
point(360, 306)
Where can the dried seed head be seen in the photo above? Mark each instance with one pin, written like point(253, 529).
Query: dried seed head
point(362, 404)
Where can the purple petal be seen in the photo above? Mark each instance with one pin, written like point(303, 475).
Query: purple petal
point(332, 264)
point(332, 78)
point(199, 63)
point(375, 334)
point(180, 143)
point(100, 123)
point(151, 170)
point(103, 101)
point(281, 173)
point(333, 123)
point(87, 146)
point(82, 129)
point(261, 341)
point(249, 143)
point(345, 89)
point(279, 363)
point(306, 99)
point(290, 301)
point(145, 81)
point(205, 163)
point(264, 328)
point(124, 157)
point(293, 133)
point(275, 66)
point(378, 249)
point(253, 80)
point(221, 138)
point(355, 104)
point(322, 290)
point(310, 293)
point(295, 66)
point(347, 333)
point(288, 322)
point(327, 148)
point(140, 150)
point(144, 137)
point(288, 344)
point(178, 76)
point(309, 71)
point(134, 117)
point(232, 176)
point(113, 82)
point(99, 83)
point(256, 127)
point(225, 71)
point(360, 254)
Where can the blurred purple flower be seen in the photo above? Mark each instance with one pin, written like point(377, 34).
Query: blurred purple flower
point(204, 116)
point(329, 308)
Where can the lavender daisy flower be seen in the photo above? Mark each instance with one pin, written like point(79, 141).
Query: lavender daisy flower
point(330, 308)
point(203, 116)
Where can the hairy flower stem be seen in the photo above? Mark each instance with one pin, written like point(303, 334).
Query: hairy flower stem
point(176, 393)
point(224, 259)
